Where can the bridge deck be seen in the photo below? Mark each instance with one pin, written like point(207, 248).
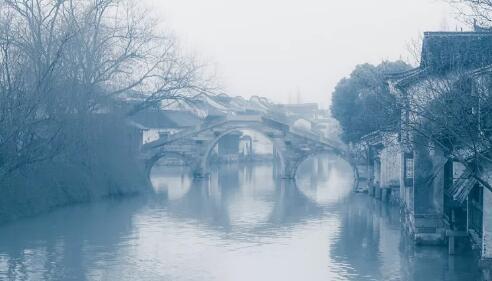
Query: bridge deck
point(244, 121)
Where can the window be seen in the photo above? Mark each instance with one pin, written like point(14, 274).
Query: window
point(408, 169)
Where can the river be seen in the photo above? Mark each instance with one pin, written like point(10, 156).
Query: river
point(242, 224)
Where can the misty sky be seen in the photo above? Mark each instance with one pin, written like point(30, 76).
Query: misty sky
point(275, 48)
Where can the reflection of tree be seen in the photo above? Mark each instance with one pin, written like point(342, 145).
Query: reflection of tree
point(59, 241)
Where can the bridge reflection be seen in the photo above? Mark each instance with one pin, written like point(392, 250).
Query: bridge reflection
point(242, 218)
point(250, 197)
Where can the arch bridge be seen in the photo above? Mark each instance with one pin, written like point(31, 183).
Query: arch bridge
point(195, 145)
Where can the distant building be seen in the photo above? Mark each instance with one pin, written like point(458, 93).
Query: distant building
point(244, 146)
point(305, 110)
point(163, 123)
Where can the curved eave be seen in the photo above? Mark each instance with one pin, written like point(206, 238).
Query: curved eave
point(405, 79)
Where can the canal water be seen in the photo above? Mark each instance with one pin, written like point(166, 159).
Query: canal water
point(242, 224)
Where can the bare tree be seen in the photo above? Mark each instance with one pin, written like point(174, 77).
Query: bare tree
point(474, 11)
point(122, 52)
point(28, 128)
point(450, 113)
point(64, 59)
point(414, 49)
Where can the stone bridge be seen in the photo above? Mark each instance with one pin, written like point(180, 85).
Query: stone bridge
point(194, 146)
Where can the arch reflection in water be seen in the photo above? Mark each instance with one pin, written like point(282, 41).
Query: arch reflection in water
point(235, 195)
point(325, 178)
point(173, 181)
point(239, 225)
point(248, 196)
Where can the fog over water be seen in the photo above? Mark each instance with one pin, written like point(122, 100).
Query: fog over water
point(279, 48)
point(240, 225)
point(219, 140)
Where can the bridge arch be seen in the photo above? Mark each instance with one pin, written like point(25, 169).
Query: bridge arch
point(292, 145)
point(294, 163)
point(152, 161)
point(336, 152)
point(255, 128)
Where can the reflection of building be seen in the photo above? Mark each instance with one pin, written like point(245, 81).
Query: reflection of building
point(368, 228)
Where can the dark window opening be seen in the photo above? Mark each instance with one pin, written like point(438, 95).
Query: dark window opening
point(408, 169)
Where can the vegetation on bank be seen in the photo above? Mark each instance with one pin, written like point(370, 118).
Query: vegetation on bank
point(362, 103)
point(447, 100)
point(70, 74)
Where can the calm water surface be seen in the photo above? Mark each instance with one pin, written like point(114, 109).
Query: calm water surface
point(239, 225)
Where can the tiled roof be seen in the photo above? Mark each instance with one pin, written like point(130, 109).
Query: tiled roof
point(166, 119)
point(444, 51)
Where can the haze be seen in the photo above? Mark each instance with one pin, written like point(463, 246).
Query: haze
point(291, 50)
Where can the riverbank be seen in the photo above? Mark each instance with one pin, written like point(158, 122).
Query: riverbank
point(101, 162)
point(46, 188)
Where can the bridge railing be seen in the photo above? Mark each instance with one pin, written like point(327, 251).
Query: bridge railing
point(309, 134)
point(244, 118)
point(204, 127)
point(270, 120)
point(317, 138)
